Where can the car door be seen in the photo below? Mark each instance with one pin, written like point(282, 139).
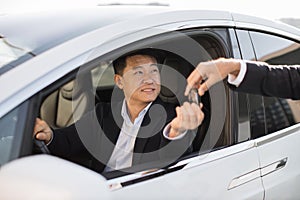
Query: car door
point(229, 173)
point(274, 120)
point(229, 169)
point(279, 146)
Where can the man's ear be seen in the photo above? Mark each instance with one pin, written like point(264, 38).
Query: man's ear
point(118, 81)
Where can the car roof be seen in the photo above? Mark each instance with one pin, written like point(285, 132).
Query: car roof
point(36, 32)
point(39, 31)
point(276, 27)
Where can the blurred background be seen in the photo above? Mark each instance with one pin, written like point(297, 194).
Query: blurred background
point(286, 11)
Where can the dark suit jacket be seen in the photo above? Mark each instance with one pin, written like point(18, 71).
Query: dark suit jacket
point(268, 80)
point(95, 135)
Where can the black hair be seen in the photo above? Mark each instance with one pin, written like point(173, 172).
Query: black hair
point(119, 64)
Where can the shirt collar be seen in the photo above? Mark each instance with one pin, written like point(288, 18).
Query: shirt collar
point(124, 112)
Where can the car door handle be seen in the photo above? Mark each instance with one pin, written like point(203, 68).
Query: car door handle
point(257, 173)
point(273, 167)
point(244, 179)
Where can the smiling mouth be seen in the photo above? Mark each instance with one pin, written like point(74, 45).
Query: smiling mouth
point(148, 90)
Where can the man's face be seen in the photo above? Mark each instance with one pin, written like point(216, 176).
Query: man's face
point(140, 80)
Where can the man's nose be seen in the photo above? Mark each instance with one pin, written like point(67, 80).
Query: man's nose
point(148, 79)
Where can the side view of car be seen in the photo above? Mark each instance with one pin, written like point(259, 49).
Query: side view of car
point(58, 66)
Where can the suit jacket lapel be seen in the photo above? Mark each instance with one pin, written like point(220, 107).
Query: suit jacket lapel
point(149, 133)
point(111, 126)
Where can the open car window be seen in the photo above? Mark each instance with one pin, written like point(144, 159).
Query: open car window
point(80, 92)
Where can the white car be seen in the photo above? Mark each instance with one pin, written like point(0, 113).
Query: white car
point(57, 66)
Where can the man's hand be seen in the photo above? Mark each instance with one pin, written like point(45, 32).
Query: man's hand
point(209, 73)
point(189, 117)
point(42, 131)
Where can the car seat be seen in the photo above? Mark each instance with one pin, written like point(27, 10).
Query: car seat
point(173, 79)
point(67, 104)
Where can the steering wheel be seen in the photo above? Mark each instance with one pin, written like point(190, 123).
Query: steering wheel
point(42, 147)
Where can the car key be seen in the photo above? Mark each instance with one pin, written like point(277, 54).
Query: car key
point(193, 96)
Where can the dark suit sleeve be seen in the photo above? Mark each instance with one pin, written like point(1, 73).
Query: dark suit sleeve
point(66, 143)
point(271, 80)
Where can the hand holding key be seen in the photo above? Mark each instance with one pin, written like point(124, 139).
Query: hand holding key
point(206, 74)
point(189, 115)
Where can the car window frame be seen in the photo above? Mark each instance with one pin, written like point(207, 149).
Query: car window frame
point(92, 63)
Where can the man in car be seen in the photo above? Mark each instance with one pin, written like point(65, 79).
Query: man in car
point(140, 129)
point(248, 76)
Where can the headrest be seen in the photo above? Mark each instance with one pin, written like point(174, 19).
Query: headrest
point(67, 90)
point(173, 78)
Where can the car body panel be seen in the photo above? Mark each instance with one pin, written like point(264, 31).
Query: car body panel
point(61, 180)
point(63, 26)
point(280, 161)
point(195, 180)
point(277, 151)
point(52, 29)
point(250, 22)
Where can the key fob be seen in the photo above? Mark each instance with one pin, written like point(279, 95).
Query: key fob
point(193, 96)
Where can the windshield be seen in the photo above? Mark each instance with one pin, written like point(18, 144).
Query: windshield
point(9, 53)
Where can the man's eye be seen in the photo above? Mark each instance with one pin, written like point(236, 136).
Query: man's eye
point(154, 71)
point(138, 73)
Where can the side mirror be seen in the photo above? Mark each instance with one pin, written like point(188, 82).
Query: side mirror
point(48, 177)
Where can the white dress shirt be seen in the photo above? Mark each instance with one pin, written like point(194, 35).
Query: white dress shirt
point(123, 152)
point(237, 80)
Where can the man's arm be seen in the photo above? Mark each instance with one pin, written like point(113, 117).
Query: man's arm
point(63, 142)
point(271, 80)
point(209, 73)
point(67, 142)
point(257, 77)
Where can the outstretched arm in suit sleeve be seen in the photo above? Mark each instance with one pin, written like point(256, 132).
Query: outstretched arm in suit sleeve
point(257, 77)
point(271, 80)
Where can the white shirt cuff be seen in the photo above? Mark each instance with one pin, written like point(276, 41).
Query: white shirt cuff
point(167, 130)
point(237, 80)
